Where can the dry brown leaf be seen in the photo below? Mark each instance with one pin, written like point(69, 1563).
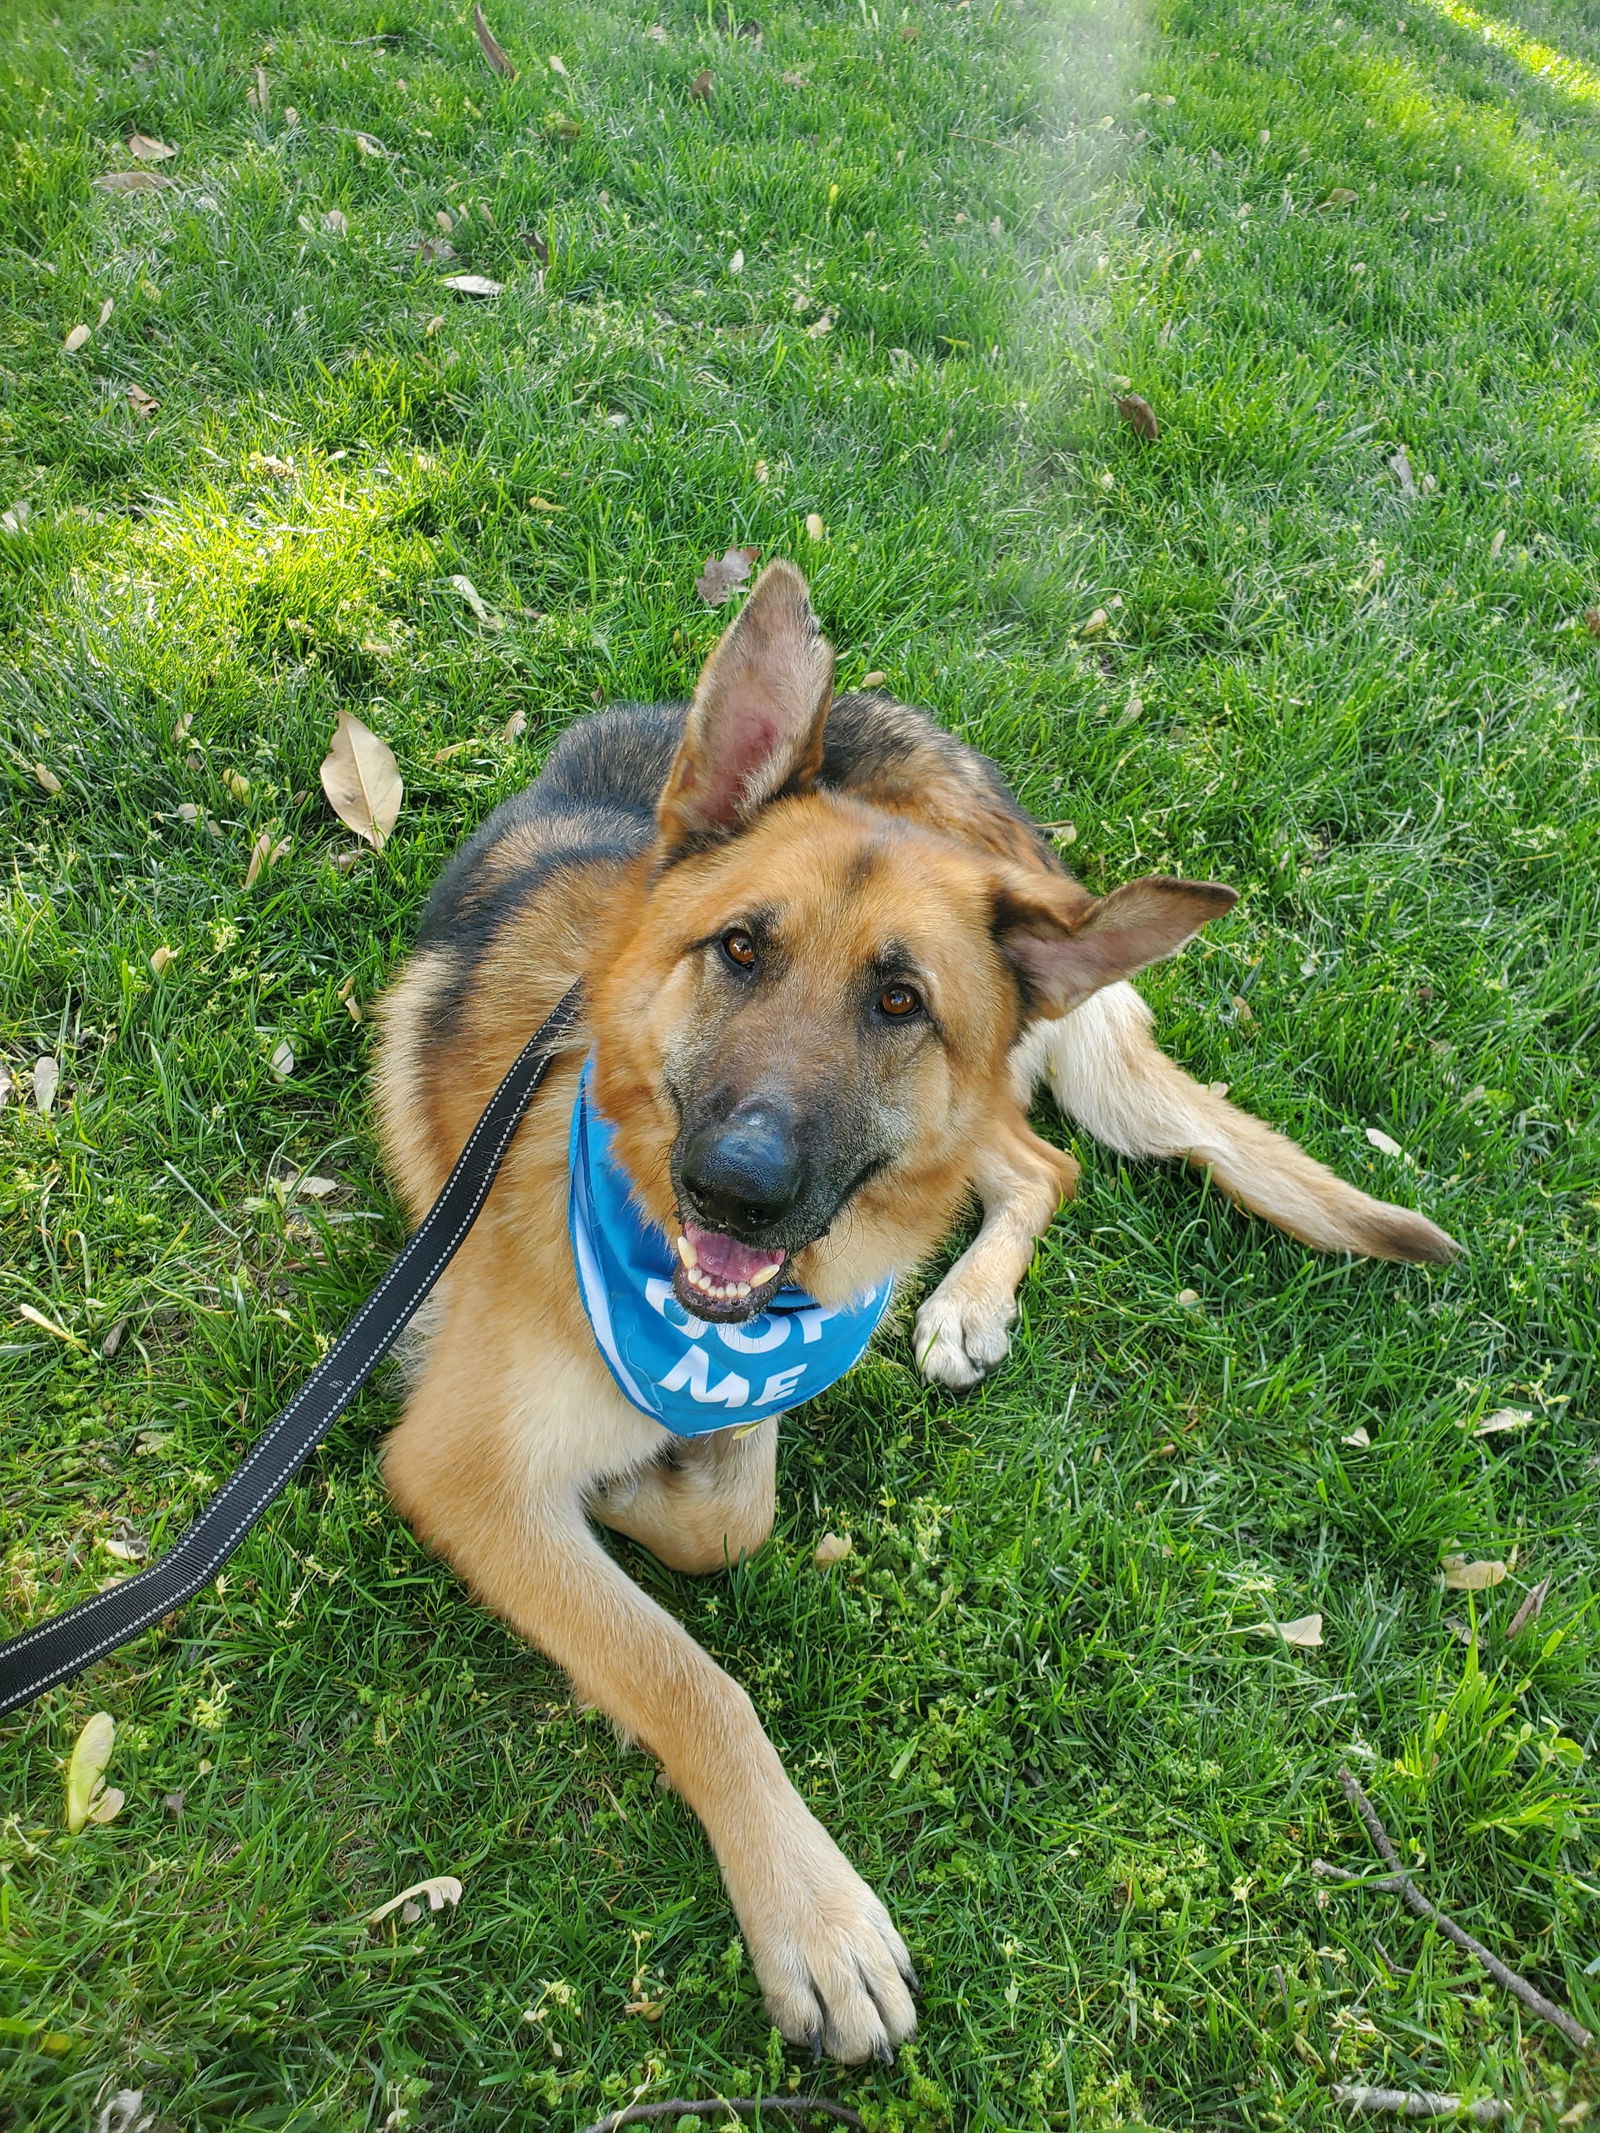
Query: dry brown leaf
point(144, 150)
point(473, 285)
point(106, 1805)
point(75, 340)
point(7, 1086)
point(311, 1187)
point(1139, 415)
point(91, 1752)
point(264, 853)
point(113, 1340)
point(1461, 1576)
point(1341, 196)
point(656, 34)
point(1358, 1438)
point(874, 680)
point(490, 47)
point(474, 599)
point(700, 87)
point(795, 80)
point(909, 33)
point(257, 95)
point(1530, 1610)
point(17, 517)
point(1591, 621)
point(369, 146)
point(342, 862)
point(1503, 1418)
point(50, 1326)
point(1497, 544)
point(180, 728)
point(336, 222)
point(281, 1064)
point(46, 1078)
point(559, 66)
point(831, 1549)
point(1242, 1008)
point(143, 404)
point(161, 960)
point(1383, 1142)
point(724, 574)
point(132, 181)
point(1187, 1299)
point(814, 526)
point(440, 1889)
point(46, 777)
point(1400, 468)
point(362, 781)
point(1095, 624)
point(515, 726)
point(1304, 1634)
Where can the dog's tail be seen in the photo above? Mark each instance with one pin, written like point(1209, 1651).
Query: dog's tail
point(1108, 1073)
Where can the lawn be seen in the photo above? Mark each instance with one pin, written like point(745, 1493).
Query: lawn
point(855, 284)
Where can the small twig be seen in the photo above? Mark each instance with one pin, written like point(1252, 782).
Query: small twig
point(1420, 2103)
point(1415, 1901)
point(635, 2114)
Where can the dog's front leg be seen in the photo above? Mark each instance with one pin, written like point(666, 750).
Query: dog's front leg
point(470, 1477)
point(964, 1328)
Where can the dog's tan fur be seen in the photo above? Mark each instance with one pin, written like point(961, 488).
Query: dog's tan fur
point(515, 1439)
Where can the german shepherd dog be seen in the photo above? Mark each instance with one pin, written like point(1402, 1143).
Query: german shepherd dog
point(825, 958)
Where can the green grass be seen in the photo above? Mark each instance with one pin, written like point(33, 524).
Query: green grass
point(1024, 1706)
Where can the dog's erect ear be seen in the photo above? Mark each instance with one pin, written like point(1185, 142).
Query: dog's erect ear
point(755, 726)
point(1064, 954)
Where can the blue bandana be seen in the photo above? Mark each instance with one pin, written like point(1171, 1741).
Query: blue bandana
point(693, 1376)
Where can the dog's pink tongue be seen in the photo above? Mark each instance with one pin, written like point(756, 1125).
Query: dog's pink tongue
point(725, 1259)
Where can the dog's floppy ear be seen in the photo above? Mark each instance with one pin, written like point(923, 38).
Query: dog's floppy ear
point(1063, 952)
point(755, 726)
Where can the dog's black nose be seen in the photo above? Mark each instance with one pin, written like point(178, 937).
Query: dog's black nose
point(745, 1173)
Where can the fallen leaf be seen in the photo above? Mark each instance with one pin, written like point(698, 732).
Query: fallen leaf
point(1503, 1418)
point(1305, 1634)
point(1187, 1299)
point(433, 325)
point(723, 575)
point(1400, 468)
point(1382, 1142)
point(515, 726)
point(794, 80)
point(180, 728)
point(47, 778)
point(490, 47)
point(1242, 1008)
point(16, 518)
point(124, 1551)
point(106, 1805)
point(1095, 624)
point(281, 1064)
point(46, 1080)
point(1357, 1437)
point(173, 1802)
point(264, 853)
point(161, 960)
point(542, 503)
point(814, 526)
point(1341, 196)
point(311, 1187)
point(144, 150)
point(1139, 415)
point(656, 34)
point(132, 181)
point(362, 781)
point(237, 783)
point(1591, 621)
point(874, 680)
point(342, 862)
point(256, 96)
point(336, 221)
point(736, 263)
point(832, 1548)
point(909, 33)
point(143, 404)
point(1497, 544)
point(75, 339)
point(269, 463)
point(48, 1325)
point(700, 87)
point(1530, 1610)
point(651, 2010)
point(368, 146)
point(473, 284)
point(474, 599)
point(113, 1340)
point(559, 66)
point(86, 1766)
point(440, 1889)
point(7, 1086)
point(1461, 1576)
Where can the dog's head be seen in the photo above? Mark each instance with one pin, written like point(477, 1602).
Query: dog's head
point(803, 1024)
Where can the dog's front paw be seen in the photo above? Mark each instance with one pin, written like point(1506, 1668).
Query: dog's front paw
point(835, 1972)
point(960, 1337)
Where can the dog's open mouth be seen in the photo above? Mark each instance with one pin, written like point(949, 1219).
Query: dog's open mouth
point(721, 1279)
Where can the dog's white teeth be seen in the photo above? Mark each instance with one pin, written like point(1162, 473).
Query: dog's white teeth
point(687, 1253)
point(742, 1288)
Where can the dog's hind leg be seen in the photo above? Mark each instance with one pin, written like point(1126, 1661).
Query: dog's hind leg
point(706, 1503)
point(964, 1328)
point(1108, 1073)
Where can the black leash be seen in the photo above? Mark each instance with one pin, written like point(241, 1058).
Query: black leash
point(66, 1644)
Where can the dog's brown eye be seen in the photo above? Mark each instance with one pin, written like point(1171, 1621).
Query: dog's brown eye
point(739, 948)
point(898, 1001)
